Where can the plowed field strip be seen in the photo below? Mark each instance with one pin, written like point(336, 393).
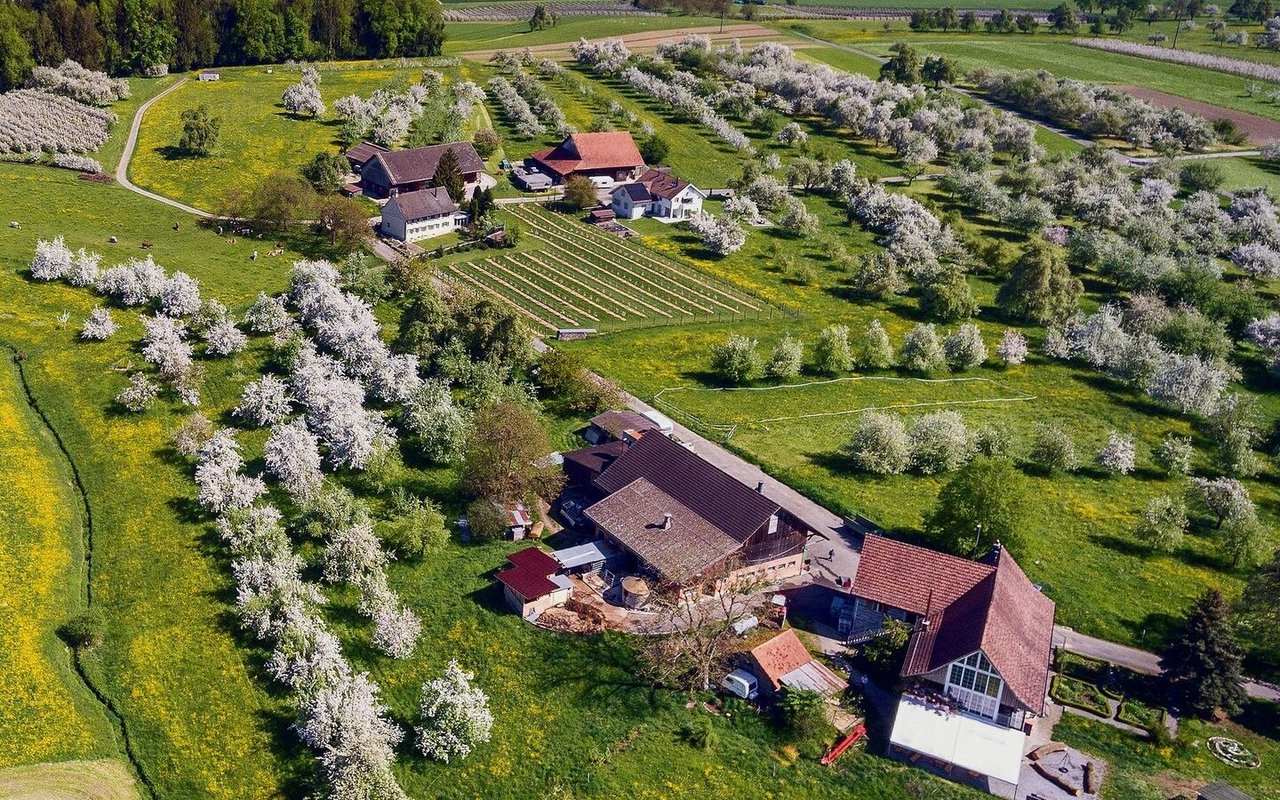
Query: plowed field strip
point(458, 273)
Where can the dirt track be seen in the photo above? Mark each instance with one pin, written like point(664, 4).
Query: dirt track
point(1260, 130)
point(648, 40)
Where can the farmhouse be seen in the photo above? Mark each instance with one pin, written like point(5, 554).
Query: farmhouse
point(784, 662)
point(681, 520)
point(359, 155)
point(392, 172)
point(611, 156)
point(977, 662)
point(533, 583)
point(421, 214)
point(657, 193)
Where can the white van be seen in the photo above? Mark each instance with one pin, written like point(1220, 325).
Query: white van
point(741, 683)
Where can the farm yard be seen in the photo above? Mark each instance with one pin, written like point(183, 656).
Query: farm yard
point(180, 695)
point(580, 277)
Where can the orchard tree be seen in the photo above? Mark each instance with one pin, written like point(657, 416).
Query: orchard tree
point(139, 395)
point(876, 350)
point(352, 554)
point(879, 444)
point(180, 295)
point(1174, 454)
point(948, 297)
point(292, 456)
point(1260, 605)
point(940, 442)
point(580, 193)
point(1223, 498)
point(99, 326)
point(796, 218)
point(903, 66)
point(964, 348)
point(1052, 449)
point(736, 360)
point(192, 434)
point(1202, 661)
point(1041, 288)
point(922, 350)
point(439, 427)
point(722, 235)
point(1163, 523)
point(303, 98)
point(1012, 348)
point(52, 260)
point(1118, 454)
point(455, 716)
point(418, 528)
point(1244, 540)
point(787, 358)
point(267, 315)
point(986, 501)
point(505, 455)
point(199, 131)
point(831, 355)
point(265, 402)
point(939, 69)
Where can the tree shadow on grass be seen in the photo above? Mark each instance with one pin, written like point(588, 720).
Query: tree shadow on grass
point(1121, 545)
point(171, 152)
point(1153, 630)
point(1260, 717)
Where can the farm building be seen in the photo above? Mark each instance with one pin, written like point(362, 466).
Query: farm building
point(981, 645)
point(419, 215)
point(392, 172)
point(533, 583)
point(784, 662)
point(530, 179)
point(618, 426)
point(359, 155)
point(608, 155)
point(657, 193)
point(681, 520)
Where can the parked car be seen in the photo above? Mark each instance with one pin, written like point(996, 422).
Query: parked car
point(571, 509)
point(741, 683)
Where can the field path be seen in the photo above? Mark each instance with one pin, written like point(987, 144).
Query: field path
point(122, 169)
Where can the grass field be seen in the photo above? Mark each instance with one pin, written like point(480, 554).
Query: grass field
point(104, 779)
point(579, 277)
point(467, 36)
point(42, 573)
point(258, 136)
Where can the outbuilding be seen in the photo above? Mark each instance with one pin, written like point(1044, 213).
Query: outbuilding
point(534, 583)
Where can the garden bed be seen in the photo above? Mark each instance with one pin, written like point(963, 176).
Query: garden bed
point(1079, 694)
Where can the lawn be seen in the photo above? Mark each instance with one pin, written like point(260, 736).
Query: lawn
point(1247, 172)
point(1140, 770)
point(463, 37)
point(42, 571)
point(258, 136)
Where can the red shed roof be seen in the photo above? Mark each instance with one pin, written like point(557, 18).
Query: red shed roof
point(780, 655)
point(531, 576)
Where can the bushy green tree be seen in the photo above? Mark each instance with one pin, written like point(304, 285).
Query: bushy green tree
point(199, 131)
point(1041, 288)
point(879, 444)
point(922, 350)
point(831, 354)
point(737, 360)
point(787, 358)
point(1163, 523)
point(1202, 661)
point(987, 500)
point(876, 350)
point(1052, 449)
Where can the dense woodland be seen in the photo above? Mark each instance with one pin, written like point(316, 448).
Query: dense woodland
point(135, 36)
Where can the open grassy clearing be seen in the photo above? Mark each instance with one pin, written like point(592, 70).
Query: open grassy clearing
point(258, 136)
point(1079, 542)
point(579, 277)
point(105, 779)
point(1247, 173)
point(463, 37)
point(52, 715)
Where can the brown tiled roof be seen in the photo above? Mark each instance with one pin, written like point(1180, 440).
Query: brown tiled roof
point(663, 184)
point(615, 422)
point(587, 151)
point(424, 203)
point(1006, 618)
point(419, 163)
point(364, 151)
point(634, 515)
point(913, 578)
point(780, 655)
point(716, 496)
point(530, 577)
point(585, 465)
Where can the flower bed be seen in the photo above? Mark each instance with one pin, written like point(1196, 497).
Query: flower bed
point(1139, 714)
point(1079, 694)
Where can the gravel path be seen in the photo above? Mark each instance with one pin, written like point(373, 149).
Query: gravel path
point(122, 169)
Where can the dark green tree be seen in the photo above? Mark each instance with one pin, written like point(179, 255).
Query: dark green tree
point(947, 19)
point(542, 18)
point(16, 60)
point(903, 66)
point(199, 131)
point(580, 193)
point(939, 69)
point(326, 171)
point(985, 501)
point(1202, 661)
point(1062, 18)
point(196, 43)
point(653, 149)
point(1260, 607)
point(1041, 288)
point(449, 176)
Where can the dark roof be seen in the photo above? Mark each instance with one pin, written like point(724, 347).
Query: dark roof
point(635, 514)
point(913, 578)
point(716, 496)
point(636, 191)
point(364, 151)
point(530, 577)
point(585, 465)
point(615, 422)
point(1006, 618)
point(1221, 790)
point(419, 163)
point(663, 184)
point(589, 151)
point(424, 203)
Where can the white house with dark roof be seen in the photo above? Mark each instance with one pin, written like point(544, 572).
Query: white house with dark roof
point(657, 193)
point(421, 214)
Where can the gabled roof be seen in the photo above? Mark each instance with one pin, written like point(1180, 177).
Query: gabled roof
point(531, 576)
point(615, 423)
point(635, 514)
point(364, 151)
point(586, 464)
point(913, 578)
point(424, 203)
point(589, 151)
point(419, 163)
point(636, 191)
point(664, 184)
point(1006, 618)
point(713, 494)
point(780, 655)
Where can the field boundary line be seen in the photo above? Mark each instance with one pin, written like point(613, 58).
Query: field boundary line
point(518, 277)
point(458, 274)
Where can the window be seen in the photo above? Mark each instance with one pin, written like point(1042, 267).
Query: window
point(976, 684)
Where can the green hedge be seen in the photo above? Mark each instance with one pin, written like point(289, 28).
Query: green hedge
point(1078, 694)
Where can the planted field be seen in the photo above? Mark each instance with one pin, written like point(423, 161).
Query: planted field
point(579, 277)
point(105, 779)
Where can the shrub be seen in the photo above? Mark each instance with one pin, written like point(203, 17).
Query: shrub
point(83, 632)
point(879, 444)
point(922, 351)
point(737, 360)
point(1052, 449)
point(418, 530)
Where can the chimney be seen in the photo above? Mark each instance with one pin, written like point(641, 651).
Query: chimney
point(760, 487)
point(666, 522)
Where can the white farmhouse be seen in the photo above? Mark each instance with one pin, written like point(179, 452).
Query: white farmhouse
point(657, 193)
point(413, 216)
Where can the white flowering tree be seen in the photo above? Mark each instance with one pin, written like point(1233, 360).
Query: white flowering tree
point(722, 235)
point(267, 314)
point(940, 442)
point(1162, 524)
point(737, 359)
point(220, 486)
point(139, 394)
point(439, 427)
point(303, 98)
point(292, 456)
point(455, 716)
point(395, 631)
point(876, 350)
point(1118, 455)
point(180, 295)
point(787, 358)
point(164, 344)
point(879, 444)
point(99, 326)
point(964, 348)
point(352, 553)
point(1012, 348)
point(922, 350)
point(52, 260)
point(223, 338)
point(264, 402)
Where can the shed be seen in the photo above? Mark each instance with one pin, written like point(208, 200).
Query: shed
point(534, 583)
point(587, 558)
point(784, 661)
point(1221, 790)
point(531, 180)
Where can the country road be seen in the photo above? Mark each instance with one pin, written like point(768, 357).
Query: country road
point(122, 169)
